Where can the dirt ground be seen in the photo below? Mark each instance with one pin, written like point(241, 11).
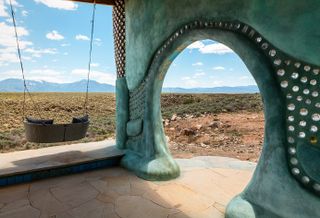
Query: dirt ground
point(238, 135)
point(197, 124)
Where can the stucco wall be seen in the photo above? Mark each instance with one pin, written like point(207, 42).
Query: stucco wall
point(291, 25)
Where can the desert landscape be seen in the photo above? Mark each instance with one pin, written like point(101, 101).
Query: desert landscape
point(229, 125)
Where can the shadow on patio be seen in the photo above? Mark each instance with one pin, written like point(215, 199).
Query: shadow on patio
point(204, 188)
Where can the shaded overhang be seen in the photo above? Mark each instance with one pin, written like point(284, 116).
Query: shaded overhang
point(104, 2)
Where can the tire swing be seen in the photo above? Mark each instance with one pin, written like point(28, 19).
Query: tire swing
point(45, 131)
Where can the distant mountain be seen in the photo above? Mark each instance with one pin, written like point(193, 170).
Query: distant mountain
point(222, 89)
point(16, 85)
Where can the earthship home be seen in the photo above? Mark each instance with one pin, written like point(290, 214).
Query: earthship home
point(279, 43)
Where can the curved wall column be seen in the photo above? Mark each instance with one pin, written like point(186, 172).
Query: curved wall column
point(277, 75)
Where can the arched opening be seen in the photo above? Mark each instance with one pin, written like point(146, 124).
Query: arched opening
point(211, 105)
point(148, 154)
point(256, 62)
point(150, 158)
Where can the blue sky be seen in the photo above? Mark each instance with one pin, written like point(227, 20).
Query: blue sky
point(54, 39)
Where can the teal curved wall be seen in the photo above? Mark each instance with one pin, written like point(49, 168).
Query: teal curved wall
point(290, 25)
point(281, 51)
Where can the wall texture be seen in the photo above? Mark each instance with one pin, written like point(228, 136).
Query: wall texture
point(278, 42)
point(290, 25)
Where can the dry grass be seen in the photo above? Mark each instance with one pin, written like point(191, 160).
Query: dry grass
point(59, 106)
point(63, 106)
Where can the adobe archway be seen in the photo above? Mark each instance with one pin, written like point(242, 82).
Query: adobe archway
point(147, 153)
point(286, 182)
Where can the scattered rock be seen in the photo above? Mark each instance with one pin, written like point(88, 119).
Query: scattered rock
point(204, 145)
point(215, 124)
point(166, 122)
point(227, 125)
point(211, 134)
point(174, 117)
point(188, 116)
point(188, 132)
point(168, 139)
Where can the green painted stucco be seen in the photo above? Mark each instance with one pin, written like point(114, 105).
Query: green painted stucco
point(122, 115)
point(291, 25)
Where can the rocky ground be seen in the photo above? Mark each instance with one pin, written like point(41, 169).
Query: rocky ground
point(196, 124)
point(238, 135)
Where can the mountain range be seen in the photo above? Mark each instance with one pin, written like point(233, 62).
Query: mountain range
point(16, 85)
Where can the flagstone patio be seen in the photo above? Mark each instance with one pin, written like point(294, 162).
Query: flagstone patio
point(203, 190)
point(15, 163)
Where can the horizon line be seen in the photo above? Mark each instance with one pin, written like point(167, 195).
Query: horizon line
point(174, 87)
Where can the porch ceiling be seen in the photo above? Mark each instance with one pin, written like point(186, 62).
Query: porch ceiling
point(105, 2)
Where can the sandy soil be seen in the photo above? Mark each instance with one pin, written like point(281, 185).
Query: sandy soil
point(238, 135)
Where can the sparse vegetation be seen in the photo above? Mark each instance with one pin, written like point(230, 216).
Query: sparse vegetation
point(197, 104)
point(59, 106)
point(63, 106)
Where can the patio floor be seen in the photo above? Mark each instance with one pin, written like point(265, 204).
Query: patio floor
point(205, 187)
point(52, 157)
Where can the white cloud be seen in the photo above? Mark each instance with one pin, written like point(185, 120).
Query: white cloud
point(24, 13)
point(95, 64)
point(4, 6)
point(219, 68)
point(8, 49)
point(45, 74)
point(3, 11)
point(197, 64)
point(16, 74)
point(192, 83)
point(196, 45)
point(14, 3)
point(196, 75)
point(244, 78)
point(8, 57)
point(65, 44)
point(27, 58)
point(247, 80)
point(97, 41)
point(186, 78)
point(7, 36)
point(102, 77)
point(59, 4)
point(39, 52)
point(214, 48)
point(216, 83)
point(54, 35)
point(82, 37)
point(58, 76)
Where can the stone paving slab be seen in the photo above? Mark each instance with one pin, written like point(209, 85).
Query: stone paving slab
point(45, 158)
point(202, 191)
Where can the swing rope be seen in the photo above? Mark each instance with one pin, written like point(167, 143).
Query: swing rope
point(85, 106)
point(26, 90)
